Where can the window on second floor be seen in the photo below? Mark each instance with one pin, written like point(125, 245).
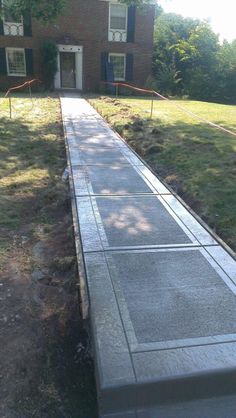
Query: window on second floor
point(12, 23)
point(118, 14)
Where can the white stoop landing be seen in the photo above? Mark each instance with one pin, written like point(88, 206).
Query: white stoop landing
point(161, 290)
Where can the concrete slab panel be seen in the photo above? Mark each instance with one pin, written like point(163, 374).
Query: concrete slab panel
point(93, 156)
point(105, 180)
point(91, 139)
point(174, 283)
point(138, 221)
point(90, 134)
point(95, 140)
point(86, 126)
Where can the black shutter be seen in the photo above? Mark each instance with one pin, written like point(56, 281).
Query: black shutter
point(3, 62)
point(27, 23)
point(109, 72)
point(129, 67)
point(1, 21)
point(110, 77)
point(29, 61)
point(131, 23)
point(104, 61)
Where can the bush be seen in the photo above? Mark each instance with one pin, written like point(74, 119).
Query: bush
point(168, 80)
point(49, 53)
point(201, 85)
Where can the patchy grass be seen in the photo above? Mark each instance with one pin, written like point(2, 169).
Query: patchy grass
point(31, 160)
point(45, 362)
point(199, 162)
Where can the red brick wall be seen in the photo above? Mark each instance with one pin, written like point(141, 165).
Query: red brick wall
point(86, 22)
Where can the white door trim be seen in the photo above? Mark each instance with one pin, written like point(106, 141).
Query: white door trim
point(78, 50)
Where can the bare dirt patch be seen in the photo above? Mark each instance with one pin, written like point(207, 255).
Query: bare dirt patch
point(46, 367)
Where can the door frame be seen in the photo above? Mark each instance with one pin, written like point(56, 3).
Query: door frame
point(78, 50)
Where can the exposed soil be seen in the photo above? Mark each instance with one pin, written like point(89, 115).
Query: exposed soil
point(45, 363)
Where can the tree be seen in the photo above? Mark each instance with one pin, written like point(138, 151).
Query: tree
point(49, 10)
point(186, 56)
point(198, 57)
point(44, 10)
point(171, 30)
point(226, 80)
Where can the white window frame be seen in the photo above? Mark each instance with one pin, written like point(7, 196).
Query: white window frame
point(19, 25)
point(123, 32)
point(118, 55)
point(15, 74)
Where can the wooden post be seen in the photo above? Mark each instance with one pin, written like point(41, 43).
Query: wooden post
point(152, 102)
point(10, 107)
point(30, 91)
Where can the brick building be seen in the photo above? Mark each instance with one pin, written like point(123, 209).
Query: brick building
point(97, 40)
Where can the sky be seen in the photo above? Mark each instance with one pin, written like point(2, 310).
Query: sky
point(221, 15)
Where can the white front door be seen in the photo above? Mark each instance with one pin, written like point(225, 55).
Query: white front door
point(70, 67)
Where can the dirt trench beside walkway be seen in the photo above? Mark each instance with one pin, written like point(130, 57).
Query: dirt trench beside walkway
point(45, 362)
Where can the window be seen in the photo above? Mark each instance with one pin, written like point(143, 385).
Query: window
point(16, 65)
point(9, 16)
point(117, 22)
point(118, 16)
point(119, 66)
point(12, 22)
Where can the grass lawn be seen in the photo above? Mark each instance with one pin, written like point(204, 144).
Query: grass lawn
point(46, 369)
point(32, 156)
point(198, 161)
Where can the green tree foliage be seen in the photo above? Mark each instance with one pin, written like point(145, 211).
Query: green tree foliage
point(201, 62)
point(188, 59)
point(170, 40)
point(169, 30)
point(49, 54)
point(44, 10)
point(168, 79)
point(226, 80)
point(49, 10)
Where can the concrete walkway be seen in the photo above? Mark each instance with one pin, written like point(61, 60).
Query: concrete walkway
point(162, 291)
